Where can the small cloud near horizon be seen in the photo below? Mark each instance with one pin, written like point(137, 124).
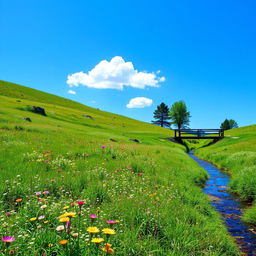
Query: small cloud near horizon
point(71, 92)
point(139, 102)
point(115, 74)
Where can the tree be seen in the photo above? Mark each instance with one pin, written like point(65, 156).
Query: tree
point(161, 114)
point(229, 124)
point(179, 115)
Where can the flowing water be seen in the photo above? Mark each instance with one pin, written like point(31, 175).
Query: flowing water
point(228, 206)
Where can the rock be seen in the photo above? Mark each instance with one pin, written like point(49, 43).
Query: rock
point(38, 110)
point(135, 140)
point(113, 140)
point(88, 116)
point(27, 119)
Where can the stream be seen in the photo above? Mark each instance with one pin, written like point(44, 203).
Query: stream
point(228, 206)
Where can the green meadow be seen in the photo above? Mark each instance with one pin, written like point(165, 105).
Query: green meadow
point(237, 155)
point(135, 198)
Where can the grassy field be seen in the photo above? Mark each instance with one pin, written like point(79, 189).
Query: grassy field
point(141, 198)
point(237, 154)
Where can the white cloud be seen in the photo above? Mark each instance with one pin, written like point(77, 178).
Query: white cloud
point(71, 92)
point(114, 74)
point(139, 102)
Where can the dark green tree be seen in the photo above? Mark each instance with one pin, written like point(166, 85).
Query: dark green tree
point(179, 115)
point(229, 124)
point(161, 115)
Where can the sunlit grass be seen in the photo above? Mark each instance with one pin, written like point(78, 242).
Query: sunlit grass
point(152, 189)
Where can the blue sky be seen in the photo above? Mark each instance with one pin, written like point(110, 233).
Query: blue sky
point(205, 50)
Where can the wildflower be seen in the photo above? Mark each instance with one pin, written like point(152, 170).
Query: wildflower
point(107, 249)
point(63, 242)
point(41, 217)
point(68, 214)
point(65, 219)
point(93, 216)
point(11, 252)
point(60, 228)
point(117, 221)
point(50, 245)
point(111, 221)
point(46, 221)
point(8, 213)
point(46, 192)
point(33, 219)
point(93, 230)
point(38, 193)
point(108, 231)
point(18, 200)
point(8, 239)
point(75, 234)
point(97, 240)
point(43, 206)
point(103, 147)
point(65, 207)
point(80, 203)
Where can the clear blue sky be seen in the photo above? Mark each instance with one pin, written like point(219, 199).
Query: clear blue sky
point(206, 50)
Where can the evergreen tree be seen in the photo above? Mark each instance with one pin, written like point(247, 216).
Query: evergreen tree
point(161, 115)
point(229, 124)
point(179, 115)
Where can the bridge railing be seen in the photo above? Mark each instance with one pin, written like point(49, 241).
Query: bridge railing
point(199, 133)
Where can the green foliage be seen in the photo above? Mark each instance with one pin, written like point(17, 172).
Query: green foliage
point(161, 115)
point(152, 188)
point(229, 124)
point(179, 115)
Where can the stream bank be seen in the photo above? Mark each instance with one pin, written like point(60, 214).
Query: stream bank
point(228, 206)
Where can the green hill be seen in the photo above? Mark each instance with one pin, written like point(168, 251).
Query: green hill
point(150, 191)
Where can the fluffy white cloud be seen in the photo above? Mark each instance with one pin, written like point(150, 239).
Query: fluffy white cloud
point(115, 74)
point(71, 92)
point(139, 102)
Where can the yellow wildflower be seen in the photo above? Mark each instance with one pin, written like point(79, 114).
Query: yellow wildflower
point(93, 230)
point(33, 219)
point(68, 214)
point(108, 231)
point(97, 240)
point(65, 219)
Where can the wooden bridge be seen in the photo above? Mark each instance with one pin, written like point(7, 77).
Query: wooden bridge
point(215, 134)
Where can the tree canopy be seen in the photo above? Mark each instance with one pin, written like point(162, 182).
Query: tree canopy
point(229, 124)
point(179, 115)
point(161, 115)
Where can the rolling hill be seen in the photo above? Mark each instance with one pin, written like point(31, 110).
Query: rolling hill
point(70, 181)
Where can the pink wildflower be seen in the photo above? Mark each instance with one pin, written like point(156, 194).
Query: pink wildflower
point(8, 239)
point(111, 221)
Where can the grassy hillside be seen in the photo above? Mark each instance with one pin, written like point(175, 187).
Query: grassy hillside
point(237, 154)
point(149, 190)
